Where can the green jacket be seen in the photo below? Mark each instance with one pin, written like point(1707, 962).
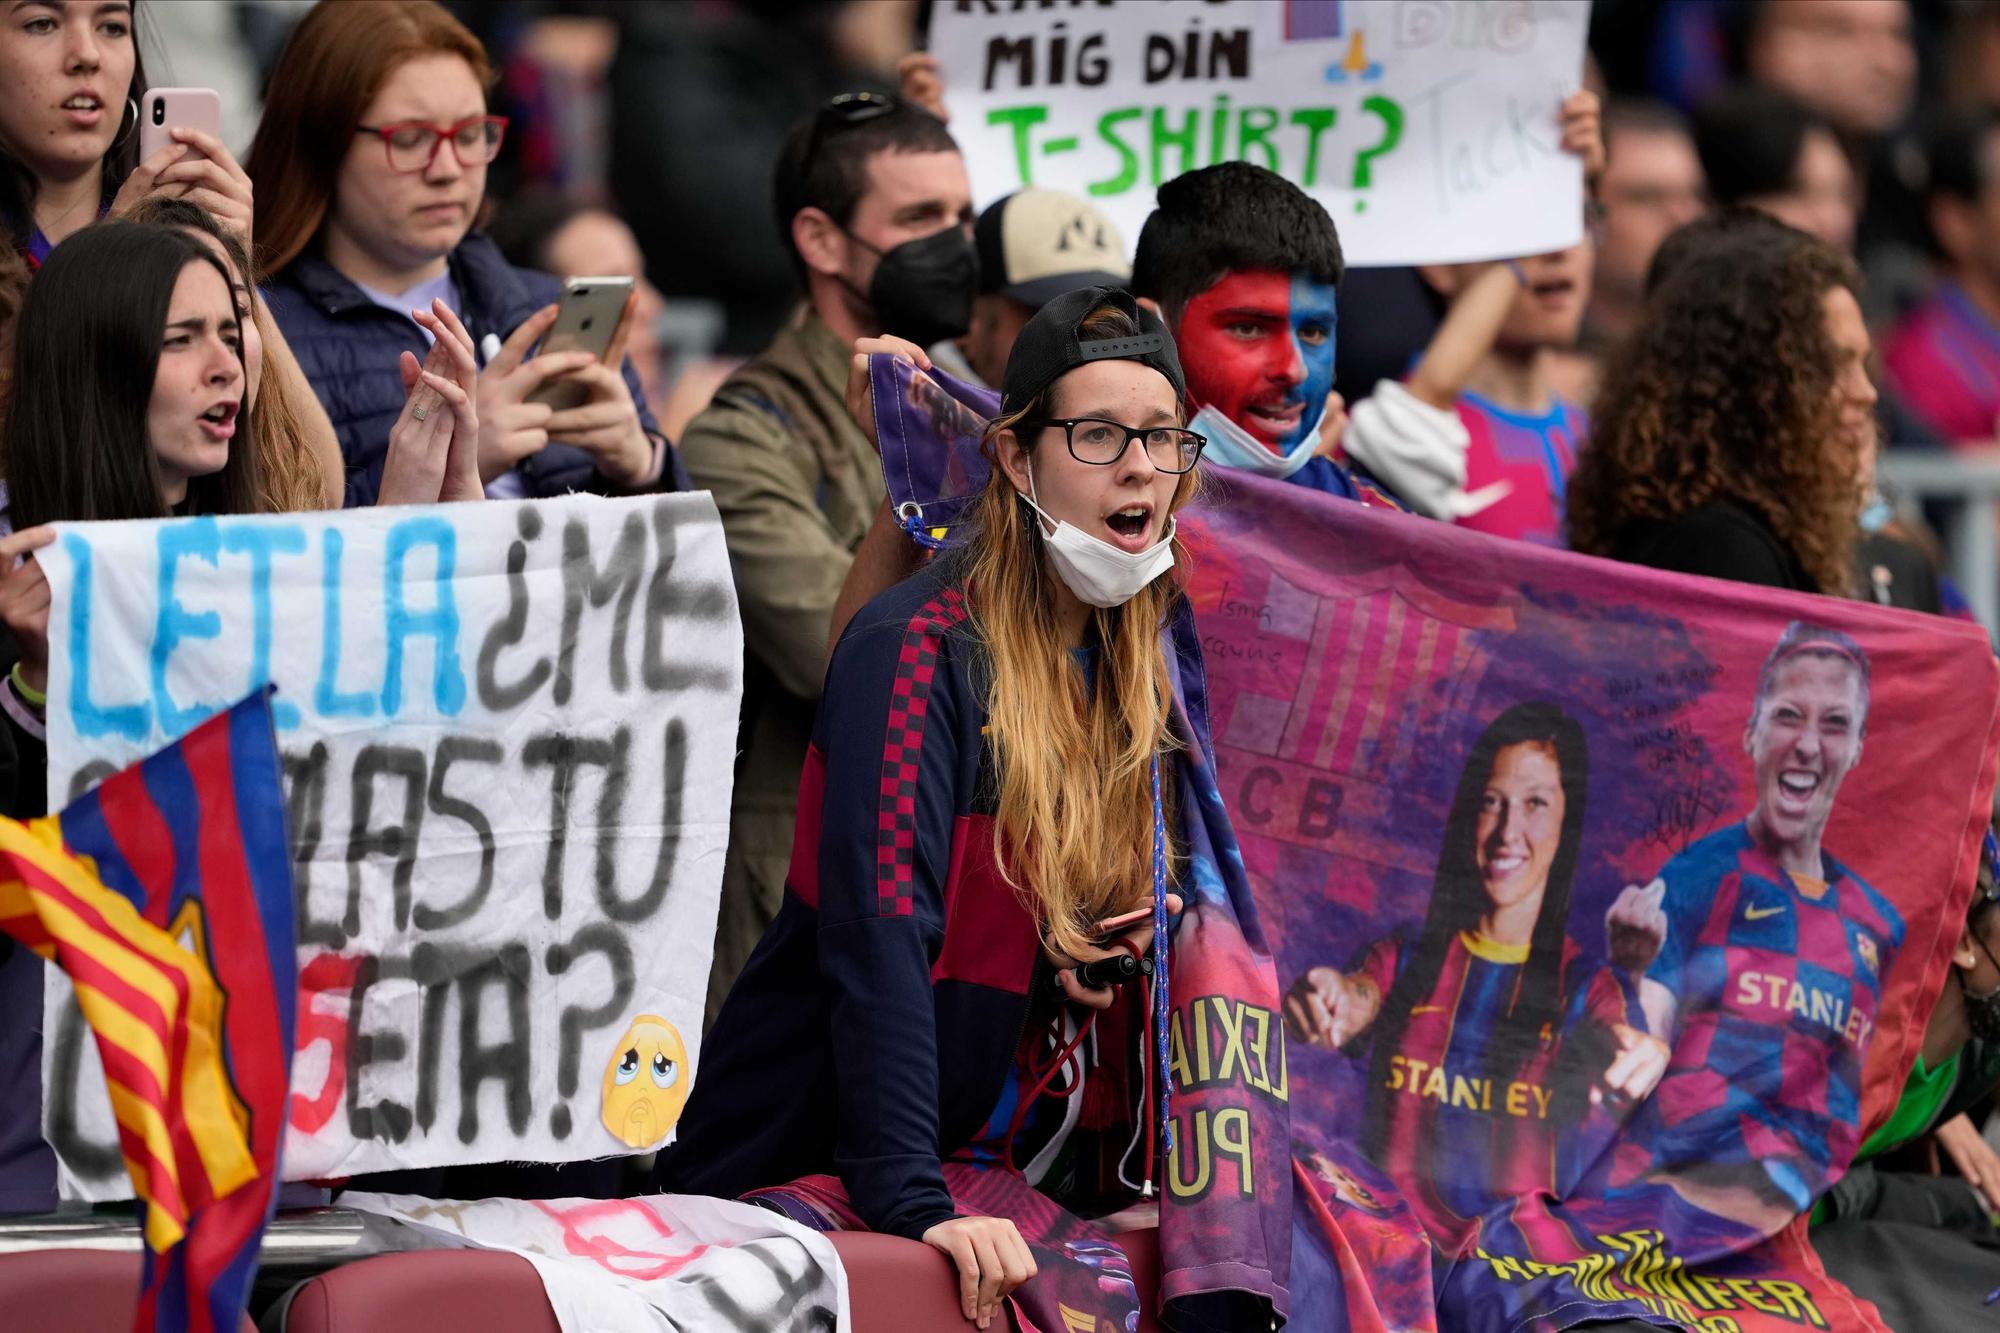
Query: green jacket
point(1929, 1099)
point(797, 484)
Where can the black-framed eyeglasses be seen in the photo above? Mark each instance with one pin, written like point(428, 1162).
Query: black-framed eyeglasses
point(1097, 441)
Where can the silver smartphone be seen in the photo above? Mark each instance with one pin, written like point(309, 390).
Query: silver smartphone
point(586, 320)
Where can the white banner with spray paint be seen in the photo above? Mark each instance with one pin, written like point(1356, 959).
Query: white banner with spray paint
point(508, 733)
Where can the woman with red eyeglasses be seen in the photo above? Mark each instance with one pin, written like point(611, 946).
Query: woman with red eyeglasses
point(370, 168)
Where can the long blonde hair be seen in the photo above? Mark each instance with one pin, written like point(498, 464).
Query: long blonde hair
point(1075, 828)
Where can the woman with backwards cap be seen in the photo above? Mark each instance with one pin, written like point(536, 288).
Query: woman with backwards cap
point(981, 811)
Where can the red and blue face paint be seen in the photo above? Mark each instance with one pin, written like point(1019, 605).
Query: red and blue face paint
point(1258, 347)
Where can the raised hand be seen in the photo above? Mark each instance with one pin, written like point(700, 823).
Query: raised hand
point(211, 177)
point(606, 424)
point(1583, 134)
point(1332, 427)
point(1328, 1008)
point(920, 79)
point(1636, 926)
point(861, 390)
point(24, 601)
point(510, 427)
point(199, 168)
point(433, 447)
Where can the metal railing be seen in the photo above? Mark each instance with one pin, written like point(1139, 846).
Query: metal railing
point(1968, 482)
point(297, 1244)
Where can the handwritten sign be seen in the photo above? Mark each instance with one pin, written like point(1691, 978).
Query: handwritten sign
point(508, 732)
point(1428, 128)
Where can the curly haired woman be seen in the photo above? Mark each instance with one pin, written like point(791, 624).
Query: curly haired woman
point(1735, 430)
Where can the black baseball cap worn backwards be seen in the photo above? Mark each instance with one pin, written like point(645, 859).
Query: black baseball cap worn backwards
point(1048, 346)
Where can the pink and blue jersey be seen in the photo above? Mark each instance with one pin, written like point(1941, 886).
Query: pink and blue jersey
point(1533, 454)
point(1944, 359)
point(1777, 981)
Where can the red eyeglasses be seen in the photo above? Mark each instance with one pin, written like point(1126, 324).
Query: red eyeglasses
point(412, 145)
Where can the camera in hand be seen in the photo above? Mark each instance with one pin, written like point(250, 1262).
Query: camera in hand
point(1116, 970)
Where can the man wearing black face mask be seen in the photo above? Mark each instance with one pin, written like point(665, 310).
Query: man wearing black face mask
point(872, 201)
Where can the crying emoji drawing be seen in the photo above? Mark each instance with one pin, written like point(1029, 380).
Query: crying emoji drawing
point(646, 1083)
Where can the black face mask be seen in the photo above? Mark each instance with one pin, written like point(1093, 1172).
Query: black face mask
point(1982, 1012)
point(922, 289)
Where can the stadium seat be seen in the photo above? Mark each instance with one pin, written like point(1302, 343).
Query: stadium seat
point(904, 1286)
point(424, 1292)
point(894, 1286)
point(71, 1291)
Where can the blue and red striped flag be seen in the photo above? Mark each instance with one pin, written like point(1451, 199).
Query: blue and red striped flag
point(166, 895)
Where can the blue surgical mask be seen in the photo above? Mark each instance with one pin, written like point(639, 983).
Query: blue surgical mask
point(1229, 445)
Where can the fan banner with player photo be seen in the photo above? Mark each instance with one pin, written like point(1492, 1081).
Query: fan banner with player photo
point(1608, 905)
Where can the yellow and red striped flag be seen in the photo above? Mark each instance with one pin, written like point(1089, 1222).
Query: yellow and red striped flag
point(158, 1018)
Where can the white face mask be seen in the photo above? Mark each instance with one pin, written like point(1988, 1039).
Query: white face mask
point(1097, 572)
point(1229, 445)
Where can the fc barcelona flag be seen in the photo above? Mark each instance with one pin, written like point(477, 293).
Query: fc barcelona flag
point(166, 895)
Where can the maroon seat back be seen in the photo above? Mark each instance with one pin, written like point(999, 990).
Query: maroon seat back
point(71, 1291)
point(898, 1286)
point(893, 1285)
point(428, 1291)
point(904, 1286)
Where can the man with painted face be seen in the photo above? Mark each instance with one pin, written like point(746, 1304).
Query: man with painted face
point(1761, 959)
point(1243, 265)
point(872, 201)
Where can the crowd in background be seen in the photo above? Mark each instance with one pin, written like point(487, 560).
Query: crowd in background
point(1857, 120)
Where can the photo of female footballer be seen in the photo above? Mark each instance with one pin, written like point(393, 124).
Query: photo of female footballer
point(1762, 973)
point(1464, 1023)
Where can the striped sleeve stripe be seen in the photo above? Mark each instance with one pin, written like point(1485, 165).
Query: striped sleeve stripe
point(902, 749)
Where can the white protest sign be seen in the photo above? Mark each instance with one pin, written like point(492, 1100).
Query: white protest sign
point(1428, 128)
point(508, 733)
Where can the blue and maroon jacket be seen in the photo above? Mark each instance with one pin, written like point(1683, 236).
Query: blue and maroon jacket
point(872, 1030)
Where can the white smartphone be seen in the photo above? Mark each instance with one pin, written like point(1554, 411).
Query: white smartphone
point(586, 321)
point(164, 110)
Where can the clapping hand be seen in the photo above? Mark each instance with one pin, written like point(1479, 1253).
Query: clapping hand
point(433, 447)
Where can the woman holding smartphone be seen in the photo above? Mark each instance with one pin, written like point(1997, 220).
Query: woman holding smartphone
point(69, 130)
point(982, 811)
point(71, 84)
point(371, 158)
